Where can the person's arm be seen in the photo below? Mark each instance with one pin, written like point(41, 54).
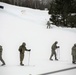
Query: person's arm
point(27, 49)
point(57, 46)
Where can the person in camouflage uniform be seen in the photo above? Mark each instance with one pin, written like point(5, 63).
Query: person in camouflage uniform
point(1, 49)
point(22, 50)
point(74, 54)
point(48, 24)
point(53, 52)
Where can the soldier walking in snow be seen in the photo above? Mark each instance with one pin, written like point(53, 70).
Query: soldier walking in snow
point(48, 24)
point(22, 50)
point(74, 54)
point(53, 51)
point(1, 56)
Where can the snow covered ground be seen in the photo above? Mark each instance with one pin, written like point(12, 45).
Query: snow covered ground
point(19, 24)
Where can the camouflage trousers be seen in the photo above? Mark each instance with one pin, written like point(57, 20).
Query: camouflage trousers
point(53, 54)
point(21, 57)
point(74, 58)
point(48, 26)
point(1, 58)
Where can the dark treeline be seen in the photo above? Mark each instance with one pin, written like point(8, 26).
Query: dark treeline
point(36, 4)
point(63, 12)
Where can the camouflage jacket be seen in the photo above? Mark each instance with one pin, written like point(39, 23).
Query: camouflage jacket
point(22, 49)
point(74, 50)
point(54, 47)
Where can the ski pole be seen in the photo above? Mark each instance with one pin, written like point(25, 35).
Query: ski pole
point(58, 53)
point(29, 59)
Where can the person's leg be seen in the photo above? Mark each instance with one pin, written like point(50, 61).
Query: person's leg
point(21, 58)
point(73, 59)
point(51, 56)
point(47, 26)
point(3, 63)
point(55, 56)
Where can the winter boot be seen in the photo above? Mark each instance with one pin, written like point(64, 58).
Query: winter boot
point(3, 64)
point(51, 59)
point(21, 64)
point(73, 62)
point(56, 59)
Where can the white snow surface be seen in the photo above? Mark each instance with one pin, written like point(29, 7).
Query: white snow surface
point(20, 24)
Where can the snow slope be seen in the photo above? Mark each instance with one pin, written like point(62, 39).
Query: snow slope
point(19, 24)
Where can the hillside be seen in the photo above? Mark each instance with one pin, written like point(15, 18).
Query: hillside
point(20, 24)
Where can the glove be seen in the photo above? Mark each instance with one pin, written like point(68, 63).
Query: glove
point(58, 47)
point(29, 50)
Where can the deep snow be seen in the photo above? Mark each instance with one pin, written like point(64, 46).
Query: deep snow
point(19, 24)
